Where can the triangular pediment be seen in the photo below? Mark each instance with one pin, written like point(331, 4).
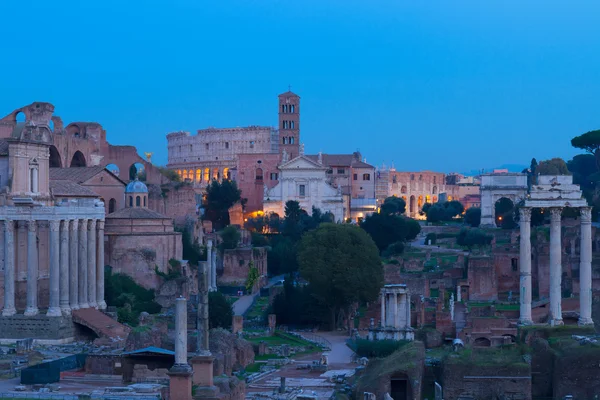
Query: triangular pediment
point(302, 162)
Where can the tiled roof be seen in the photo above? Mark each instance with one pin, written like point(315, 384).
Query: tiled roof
point(3, 147)
point(77, 174)
point(136, 213)
point(345, 160)
point(66, 188)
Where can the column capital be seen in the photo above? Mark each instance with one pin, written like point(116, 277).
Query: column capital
point(83, 223)
point(100, 225)
point(555, 214)
point(32, 225)
point(75, 223)
point(54, 225)
point(586, 215)
point(9, 225)
point(91, 224)
point(525, 214)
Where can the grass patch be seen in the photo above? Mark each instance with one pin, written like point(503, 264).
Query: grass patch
point(377, 348)
point(258, 308)
point(497, 356)
point(252, 368)
point(266, 357)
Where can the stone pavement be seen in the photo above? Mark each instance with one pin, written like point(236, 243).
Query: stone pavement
point(340, 353)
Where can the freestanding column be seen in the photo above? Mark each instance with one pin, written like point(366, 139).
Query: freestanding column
point(408, 310)
point(100, 267)
point(9, 268)
point(54, 282)
point(91, 264)
point(180, 386)
point(74, 264)
point(209, 246)
point(585, 268)
point(64, 268)
point(83, 261)
point(32, 268)
point(395, 309)
point(202, 323)
point(525, 266)
point(382, 309)
point(555, 267)
point(213, 271)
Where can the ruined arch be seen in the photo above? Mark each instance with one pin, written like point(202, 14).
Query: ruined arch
point(78, 160)
point(137, 171)
point(114, 169)
point(403, 189)
point(412, 204)
point(504, 210)
point(420, 202)
point(55, 159)
point(226, 173)
point(482, 342)
point(20, 117)
point(198, 175)
point(206, 175)
point(434, 190)
point(215, 174)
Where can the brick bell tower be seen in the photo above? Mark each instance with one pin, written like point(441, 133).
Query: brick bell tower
point(289, 124)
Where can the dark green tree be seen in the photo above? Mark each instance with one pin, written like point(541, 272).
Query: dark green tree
point(473, 237)
point(590, 142)
point(473, 216)
point(220, 197)
point(554, 166)
point(385, 229)
point(436, 213)
point(453, 208)
point(230, 237)
point(220, 312)
point(584, 170)
point(342, 265)
point(393, 205)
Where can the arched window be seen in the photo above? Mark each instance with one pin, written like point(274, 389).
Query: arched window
point(412, 177)
point(291, 140)
point(137, 201)
point(292, 107)
point(403, 189)
point(259, 174)
point(284, 140)
point(112, 205)
point(434, 188)
point(144, 201)
point(130, 201)
point(185, 175)
point(394, 179)
point(33, 176)
point(206, 175)
point(191, 175)
point(198, 175)
point(420, 177)
point(292, 124)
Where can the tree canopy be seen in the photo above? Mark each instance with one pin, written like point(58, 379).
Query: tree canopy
point(220, 312)
point(386, 229)
point(473, 216)
point(393, 205)
point(473, 237)
point(230, 237)
point(554, 166)
point(341, 263)
point(443, 211)
point(220, 197)
point(590, 142)
point(584, 170)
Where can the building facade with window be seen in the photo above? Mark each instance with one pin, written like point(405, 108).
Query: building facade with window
point(305, 181)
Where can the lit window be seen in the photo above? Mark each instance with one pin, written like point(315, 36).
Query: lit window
point(302, 190)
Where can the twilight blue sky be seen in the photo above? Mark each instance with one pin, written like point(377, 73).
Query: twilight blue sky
point(439, 85)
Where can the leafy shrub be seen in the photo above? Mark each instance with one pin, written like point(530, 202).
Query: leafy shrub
point(377, 348)
point(220, 312)
point(431, 238)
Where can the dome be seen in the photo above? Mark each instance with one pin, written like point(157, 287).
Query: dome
point(136, 187)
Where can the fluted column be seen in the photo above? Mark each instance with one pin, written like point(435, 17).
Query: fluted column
point(91, 264)
point(83, 261)
point(395, 309)
point(32, 269)
point(525, 266)
point(74, 264)
point(100, 267)
point(64, 268)
point(209, 246)
point(54, 281)
point(9, 268)
point(585, 268)
point(555, 317)
point(383, 309)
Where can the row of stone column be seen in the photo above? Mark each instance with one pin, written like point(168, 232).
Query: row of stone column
point(76, 260)
point(391, 299)
point(585, 266)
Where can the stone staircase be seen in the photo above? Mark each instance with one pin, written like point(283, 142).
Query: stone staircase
point(101, 324)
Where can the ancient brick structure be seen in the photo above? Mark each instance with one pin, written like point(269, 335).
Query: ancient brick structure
point(237, 263)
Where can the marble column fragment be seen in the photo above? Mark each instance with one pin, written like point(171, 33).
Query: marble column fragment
point(382, 309)
point(83, 261)
point(180, 331)
point(54, 281)
point(202, 323)
point(525, 266)
point(585, 268)
point(209, 248)
point(100, 267)
point(9, 269)
point(74, 264)
point(91, 263)
point(555, 266)
point(32, 269)
point(64, 268)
